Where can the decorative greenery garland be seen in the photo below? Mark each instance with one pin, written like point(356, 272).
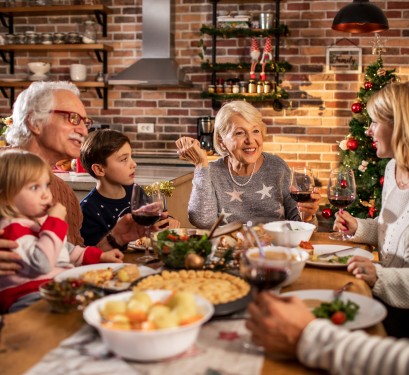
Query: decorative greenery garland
point(230, 32)
point(279, 67)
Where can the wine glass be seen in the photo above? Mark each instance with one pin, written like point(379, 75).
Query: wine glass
point(146, 210)
point(264, 270)
point(302, 186)
point(341, 193)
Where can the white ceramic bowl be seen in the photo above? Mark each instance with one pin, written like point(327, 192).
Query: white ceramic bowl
point(299, 258)
point(147, 345)
point(39, 68)
point(282, 235)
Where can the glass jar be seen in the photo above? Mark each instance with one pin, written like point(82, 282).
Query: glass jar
point(59, 38)
point(46, 38)
point(252, 86)
point(260, 87)
point(90, 32)
point(211, 89)
point(228, 89)
point(100, 77)
point(219, 89)
point(31, 38)
point(267, 87)
point(243, 87)
point(236, 89)
point(73, 38)
point(9, 38)
point(19, 39)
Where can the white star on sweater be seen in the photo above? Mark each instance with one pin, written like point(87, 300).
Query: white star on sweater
point(226, 215)
point(265, 192)
point(235, 195)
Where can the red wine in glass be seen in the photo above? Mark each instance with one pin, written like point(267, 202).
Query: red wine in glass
point(265, 278)
point(301, 196)
point(341, 193)
point(302, 186)
point(146, 220)
point(146, 210)
point(341, 202)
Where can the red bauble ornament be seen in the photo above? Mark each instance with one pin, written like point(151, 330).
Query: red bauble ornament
point(381, 180)
point(352, 144)
point(327, 213)
point(368, 85)
point(357, 107)
point(343, 184)
point(371, 212)
point(374, 145)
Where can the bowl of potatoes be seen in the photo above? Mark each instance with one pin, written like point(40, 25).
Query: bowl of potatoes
point(150, 325)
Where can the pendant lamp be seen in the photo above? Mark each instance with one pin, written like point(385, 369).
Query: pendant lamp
point(360, 17)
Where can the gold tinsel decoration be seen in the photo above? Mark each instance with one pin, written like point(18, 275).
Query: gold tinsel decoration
point(165, 187)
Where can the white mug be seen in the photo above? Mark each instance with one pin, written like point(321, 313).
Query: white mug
point(78, 72)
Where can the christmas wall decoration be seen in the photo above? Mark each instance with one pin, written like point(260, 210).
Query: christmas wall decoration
point(357, 150)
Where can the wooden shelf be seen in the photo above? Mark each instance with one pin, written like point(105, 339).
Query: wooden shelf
point(8, 89)
point(54, 9)
point(56, 47)
point(83, 84)
point(100, 11)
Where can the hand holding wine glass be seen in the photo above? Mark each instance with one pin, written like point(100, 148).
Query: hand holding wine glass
point(146, 210)
point(263, 270)
point(341, 193)
point(302, 186)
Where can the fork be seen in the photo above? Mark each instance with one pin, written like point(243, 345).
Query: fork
point(325, 255)
point(339, 291)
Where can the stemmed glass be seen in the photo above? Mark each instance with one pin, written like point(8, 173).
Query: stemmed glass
point(301, 186)
point(341, 193)
point(146, 210)
point(265, 270)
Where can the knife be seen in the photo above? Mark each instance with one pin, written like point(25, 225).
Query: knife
point(324, 255)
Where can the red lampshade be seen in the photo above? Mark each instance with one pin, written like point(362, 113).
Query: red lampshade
point(360, 17)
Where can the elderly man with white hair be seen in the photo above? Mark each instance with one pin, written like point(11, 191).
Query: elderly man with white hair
point(50, 120)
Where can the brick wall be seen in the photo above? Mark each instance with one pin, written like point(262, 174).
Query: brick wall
point(307, 132)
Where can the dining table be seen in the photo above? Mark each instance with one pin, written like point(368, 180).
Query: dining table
point(31, 333)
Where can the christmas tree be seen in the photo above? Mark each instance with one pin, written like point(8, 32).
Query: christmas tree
point(357, 150)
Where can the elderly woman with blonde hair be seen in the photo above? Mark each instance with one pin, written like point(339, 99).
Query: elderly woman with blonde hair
point(245, 184)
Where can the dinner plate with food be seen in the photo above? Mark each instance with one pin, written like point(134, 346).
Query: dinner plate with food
point(350, 310)
point(228, 293)
point(334, 256)
point(111, 277)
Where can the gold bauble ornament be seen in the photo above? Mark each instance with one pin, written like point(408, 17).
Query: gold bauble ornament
point(194, 261)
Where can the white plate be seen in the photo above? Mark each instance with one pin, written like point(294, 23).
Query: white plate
point(321, 249)
point(370, 311)
point(77, 272)
point(79, 174)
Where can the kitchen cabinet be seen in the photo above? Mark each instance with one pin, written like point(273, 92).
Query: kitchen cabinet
point(276, 67)
point(8, 51)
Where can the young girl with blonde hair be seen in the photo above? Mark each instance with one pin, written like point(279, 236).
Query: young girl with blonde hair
point(29, 217)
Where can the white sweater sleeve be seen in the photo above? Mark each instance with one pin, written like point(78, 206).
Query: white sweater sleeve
point(367, 231)
point(341, 352)
point(389, 288)
point(202, 206)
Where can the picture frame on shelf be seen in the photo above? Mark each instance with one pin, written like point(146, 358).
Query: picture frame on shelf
point(344, 60)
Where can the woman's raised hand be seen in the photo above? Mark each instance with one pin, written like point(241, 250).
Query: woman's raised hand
point(189, 149)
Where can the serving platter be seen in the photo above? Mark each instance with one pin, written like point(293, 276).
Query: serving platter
point(329, 248)
point(370, 311)
point(220, 309)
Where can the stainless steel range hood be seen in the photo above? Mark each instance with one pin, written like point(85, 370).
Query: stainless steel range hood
point(157, 67)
